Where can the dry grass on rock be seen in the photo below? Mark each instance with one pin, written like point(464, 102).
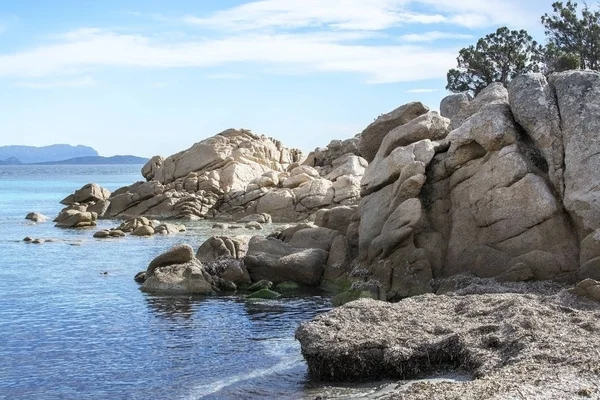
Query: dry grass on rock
point(521, 341)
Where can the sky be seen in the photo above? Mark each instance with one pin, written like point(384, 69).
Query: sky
point(147, 77)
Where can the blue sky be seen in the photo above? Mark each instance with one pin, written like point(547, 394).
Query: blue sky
point(150, 77)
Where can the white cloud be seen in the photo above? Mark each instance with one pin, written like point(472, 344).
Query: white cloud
point(361, 14)
point(290, 14)
point(304, 52)
point(76, 82)
point(433, 36)
point(333, 38)
point(421, 91)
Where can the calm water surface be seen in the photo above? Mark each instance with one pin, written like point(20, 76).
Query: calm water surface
point(68, 331)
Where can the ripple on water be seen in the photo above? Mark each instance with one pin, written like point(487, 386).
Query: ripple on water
point(69, 332)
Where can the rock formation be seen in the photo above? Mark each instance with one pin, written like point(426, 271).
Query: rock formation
point(233, 175)
point(499, 186)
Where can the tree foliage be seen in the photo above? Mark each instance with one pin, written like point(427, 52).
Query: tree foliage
point(572, 35)
point(497, 57)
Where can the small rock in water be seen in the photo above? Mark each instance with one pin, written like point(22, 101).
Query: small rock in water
point(264, 294)
point(38, 241)
point(105, 273)
point(102, 234)
point(36, 217)
point(220, 225)
point(28, 239)
point(262, 284)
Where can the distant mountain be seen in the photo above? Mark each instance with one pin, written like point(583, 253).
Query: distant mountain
point(55, 152)
point(10, 161)
point(98, 160)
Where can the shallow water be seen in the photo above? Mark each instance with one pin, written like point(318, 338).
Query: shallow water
point(70, 332)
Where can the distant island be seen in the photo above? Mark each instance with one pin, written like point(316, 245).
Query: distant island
point(55, 152)
point(61, 154)
point(97, 160)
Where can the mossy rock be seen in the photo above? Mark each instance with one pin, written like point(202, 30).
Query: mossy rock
point(264, 294)
point(287, 286)
point(351, 295)
point(338, 285)
point(263, 284)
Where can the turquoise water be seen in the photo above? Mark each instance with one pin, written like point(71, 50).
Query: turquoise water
point(68, 331)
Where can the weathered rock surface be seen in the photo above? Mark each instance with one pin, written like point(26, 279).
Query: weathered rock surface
point(73, 218)
point(177, 272)
point(88, 193)
point(223, 257)
point(150, 168)
point(533, 345)
point(276, 261)
point(487, 193)
point(371, 138)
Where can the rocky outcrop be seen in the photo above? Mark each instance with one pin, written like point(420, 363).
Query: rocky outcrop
point(83, 207)
point(518, 341)
point(236, 175)
point(500, 188)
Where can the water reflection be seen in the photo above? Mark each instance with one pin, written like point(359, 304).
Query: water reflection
point(172, 307)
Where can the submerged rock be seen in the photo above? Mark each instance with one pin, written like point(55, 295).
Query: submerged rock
point(264, 294)
point(36, 217)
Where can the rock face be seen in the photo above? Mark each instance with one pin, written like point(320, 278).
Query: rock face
point(513, 343)
point(503, 187)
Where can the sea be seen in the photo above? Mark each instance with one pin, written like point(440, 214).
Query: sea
point(74, 324)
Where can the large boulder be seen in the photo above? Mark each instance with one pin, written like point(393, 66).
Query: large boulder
point(276, 261)
point(87, 193)
point(177, 272)
point(76, 219)
point(460, 107)
point(223, 247)
point(223, 257)
point(313, 238)
point(371, 138)
point(336, 218)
